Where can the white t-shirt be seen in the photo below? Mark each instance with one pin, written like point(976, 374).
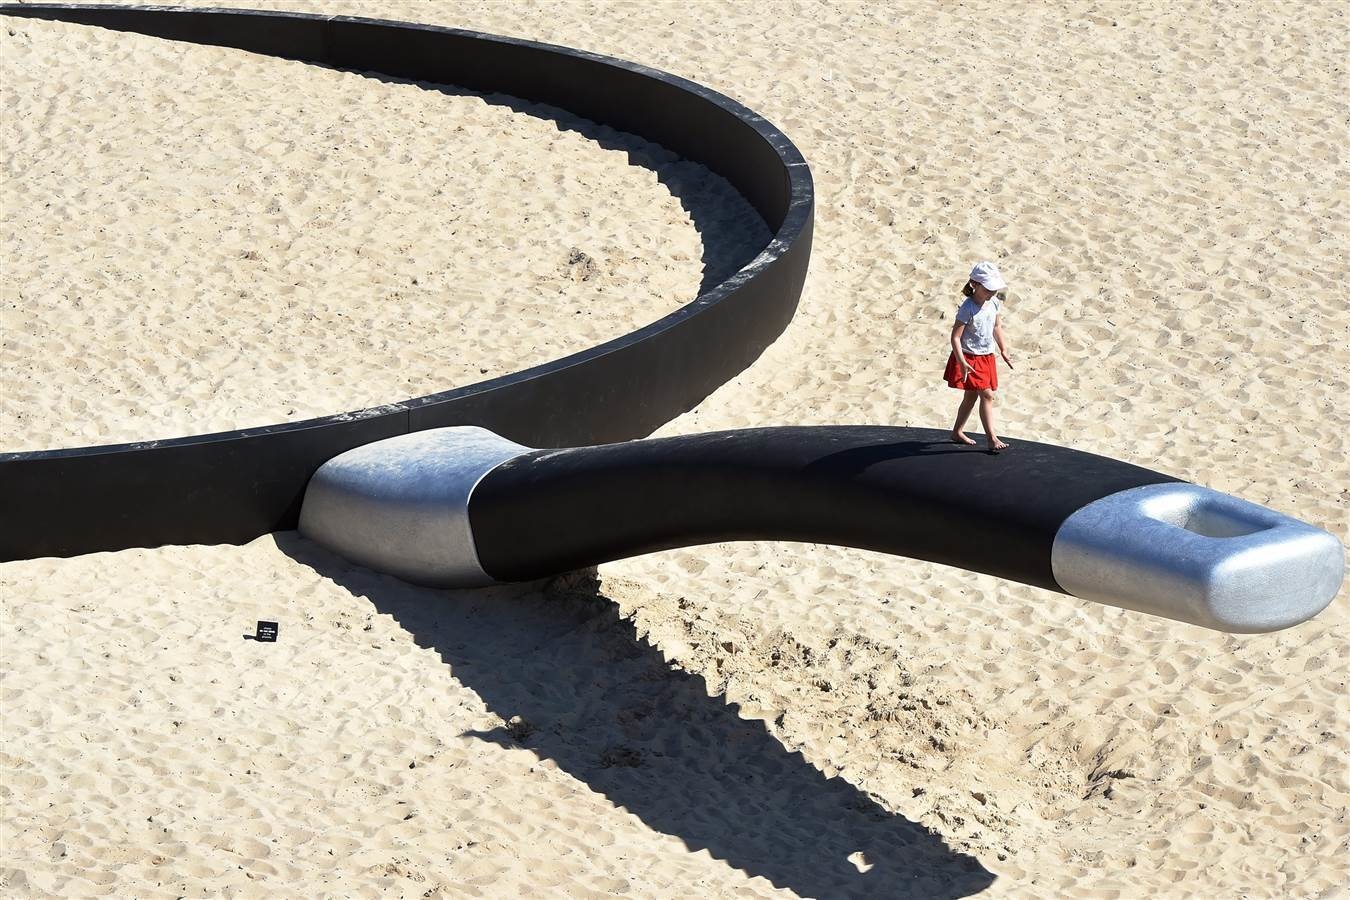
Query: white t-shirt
point(978, 337)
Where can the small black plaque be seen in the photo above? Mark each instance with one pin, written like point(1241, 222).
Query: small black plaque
point(267, 632)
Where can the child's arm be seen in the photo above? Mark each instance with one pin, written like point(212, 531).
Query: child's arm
point(957, 329)
point(1002, 345)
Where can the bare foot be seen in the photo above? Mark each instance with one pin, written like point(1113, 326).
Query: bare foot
point(959, 437)
point(996, 446)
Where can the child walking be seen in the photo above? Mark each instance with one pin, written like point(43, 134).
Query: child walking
point(971, 367)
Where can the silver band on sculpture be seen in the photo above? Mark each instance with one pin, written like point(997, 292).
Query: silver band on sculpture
point(401, 505)
point(1190, 553)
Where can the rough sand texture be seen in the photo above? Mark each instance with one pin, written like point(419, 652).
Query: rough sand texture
point(198, 239)
point(1163, 185)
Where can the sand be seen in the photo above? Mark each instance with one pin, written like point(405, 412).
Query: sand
point(1163, 186)
point(310, 238)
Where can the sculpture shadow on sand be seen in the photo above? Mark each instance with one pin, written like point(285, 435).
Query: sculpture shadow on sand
point(582, 688)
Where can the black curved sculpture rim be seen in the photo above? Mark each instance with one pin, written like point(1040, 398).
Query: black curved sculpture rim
point(231, 487)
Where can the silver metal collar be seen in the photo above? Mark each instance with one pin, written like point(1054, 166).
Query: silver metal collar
point(1197, 555)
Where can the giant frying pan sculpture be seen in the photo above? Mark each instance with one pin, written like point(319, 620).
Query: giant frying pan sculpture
point(447, 490)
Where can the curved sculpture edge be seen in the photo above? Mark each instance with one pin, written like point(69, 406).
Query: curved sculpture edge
point(234, 486)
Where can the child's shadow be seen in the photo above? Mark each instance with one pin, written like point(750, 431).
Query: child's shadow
point(606, 707)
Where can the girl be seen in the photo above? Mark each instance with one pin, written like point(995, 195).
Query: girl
point(971, 365)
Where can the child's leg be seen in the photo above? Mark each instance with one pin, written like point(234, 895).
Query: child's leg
point(962, 414)
point(987, 418)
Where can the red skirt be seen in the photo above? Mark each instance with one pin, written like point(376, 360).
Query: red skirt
point(985, 374)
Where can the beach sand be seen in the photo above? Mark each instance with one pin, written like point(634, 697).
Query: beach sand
point(1163, 185)
point(303, 255)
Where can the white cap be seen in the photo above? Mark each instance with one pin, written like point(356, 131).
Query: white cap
point(986, 273)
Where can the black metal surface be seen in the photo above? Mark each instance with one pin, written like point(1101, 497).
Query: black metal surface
point(232, 487)
point(905, 491)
